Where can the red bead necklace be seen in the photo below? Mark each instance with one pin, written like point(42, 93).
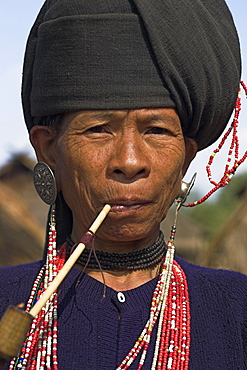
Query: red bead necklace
point(170, 310)
point(39, 352)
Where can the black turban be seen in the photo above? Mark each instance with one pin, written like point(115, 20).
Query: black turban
point(117, 54)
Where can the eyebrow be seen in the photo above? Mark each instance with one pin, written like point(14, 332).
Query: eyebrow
point(104, 115)
point(162, 117)
point(111, 114)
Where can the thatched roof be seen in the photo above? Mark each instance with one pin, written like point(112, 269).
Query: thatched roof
point(23, 220)
point(23, 214)
point(21, 238)
point(228, 249)
point(17, 175)
point(189, 236)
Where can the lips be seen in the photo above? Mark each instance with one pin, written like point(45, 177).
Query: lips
point(122, 206)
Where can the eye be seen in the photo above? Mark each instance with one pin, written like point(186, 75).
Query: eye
point(97, 129)
point(158, 131)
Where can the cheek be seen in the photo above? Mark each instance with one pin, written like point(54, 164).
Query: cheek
point(79, 172)
point(171, 172)
point(68, 161)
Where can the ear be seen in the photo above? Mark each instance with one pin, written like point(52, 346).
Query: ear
point(191, 149)
point(42, 139)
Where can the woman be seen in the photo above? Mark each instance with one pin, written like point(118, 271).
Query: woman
point(118, 97)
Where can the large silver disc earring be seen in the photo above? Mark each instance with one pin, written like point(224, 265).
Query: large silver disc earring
point(45, 183)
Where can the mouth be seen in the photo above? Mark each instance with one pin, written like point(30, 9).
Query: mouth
point(120, 206)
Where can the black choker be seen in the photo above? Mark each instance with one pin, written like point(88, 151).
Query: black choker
point(139, 260)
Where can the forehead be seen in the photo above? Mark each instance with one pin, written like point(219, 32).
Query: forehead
point(168, 115)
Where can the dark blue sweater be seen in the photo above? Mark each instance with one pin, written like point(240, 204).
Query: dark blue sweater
point(96, 333)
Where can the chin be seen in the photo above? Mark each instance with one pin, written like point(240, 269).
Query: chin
point(128, 233)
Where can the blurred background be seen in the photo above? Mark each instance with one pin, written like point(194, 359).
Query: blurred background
point(213, 234)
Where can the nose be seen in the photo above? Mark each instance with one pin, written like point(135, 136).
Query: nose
point(129, 161)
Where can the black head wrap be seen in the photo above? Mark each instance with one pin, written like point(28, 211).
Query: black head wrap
point(116, 54)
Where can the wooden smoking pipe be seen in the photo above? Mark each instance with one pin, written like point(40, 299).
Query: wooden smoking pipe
point(16, 322)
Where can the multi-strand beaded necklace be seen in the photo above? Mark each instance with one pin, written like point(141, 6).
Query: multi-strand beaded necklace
point(139, 260)
point(40, 348)
point(169, 311)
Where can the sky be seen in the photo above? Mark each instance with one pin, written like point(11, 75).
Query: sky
point(16, 19)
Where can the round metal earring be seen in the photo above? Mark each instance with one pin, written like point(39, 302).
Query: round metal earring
point(179, 201)
point(185, 190)
point(45, 183)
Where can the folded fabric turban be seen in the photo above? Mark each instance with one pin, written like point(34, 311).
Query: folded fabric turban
point(117, 54)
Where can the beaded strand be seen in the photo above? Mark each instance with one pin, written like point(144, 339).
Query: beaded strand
point(138, 260)
point(170, 304)
point(173, 341)
point(169, 307)
point(39, 352)
point(233, 151)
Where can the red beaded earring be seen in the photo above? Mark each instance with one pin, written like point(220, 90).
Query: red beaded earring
point(233, 152)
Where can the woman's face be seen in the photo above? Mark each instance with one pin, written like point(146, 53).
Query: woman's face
point(131, 159)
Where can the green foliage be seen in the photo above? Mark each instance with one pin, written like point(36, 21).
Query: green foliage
point(212, 214)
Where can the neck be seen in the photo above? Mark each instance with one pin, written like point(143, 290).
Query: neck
point(120, 270)
point(123, 280)
point(116, 246)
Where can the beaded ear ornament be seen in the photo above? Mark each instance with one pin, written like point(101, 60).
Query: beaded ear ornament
point(40, 348)
point(170, 310)
point(170, 306)
point(232, 153)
